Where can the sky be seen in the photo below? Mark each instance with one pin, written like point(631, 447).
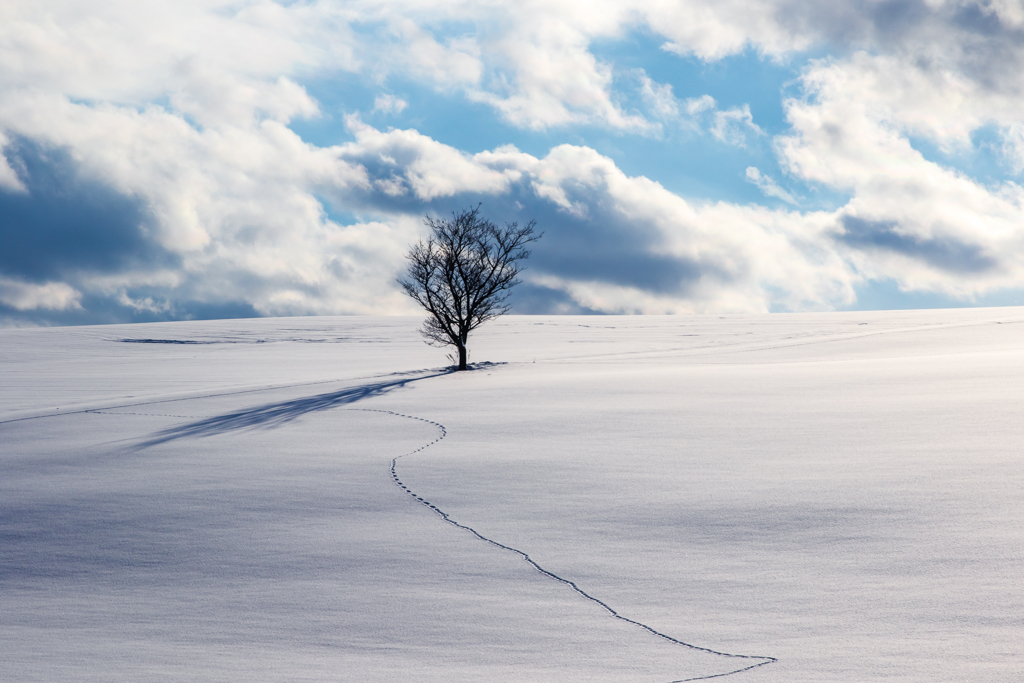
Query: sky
point(210, 159)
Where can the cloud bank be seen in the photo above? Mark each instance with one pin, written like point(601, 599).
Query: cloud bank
point(154, 164)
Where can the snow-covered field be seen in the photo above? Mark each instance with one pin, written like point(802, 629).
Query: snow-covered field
point(214, 501)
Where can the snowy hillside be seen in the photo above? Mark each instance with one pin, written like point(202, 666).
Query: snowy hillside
point(821, 497)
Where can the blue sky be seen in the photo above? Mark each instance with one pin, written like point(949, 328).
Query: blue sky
point(214, 159)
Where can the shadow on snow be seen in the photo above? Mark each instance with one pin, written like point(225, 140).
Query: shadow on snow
point(277, 414)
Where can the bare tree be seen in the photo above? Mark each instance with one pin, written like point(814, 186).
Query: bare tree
point(462, 275)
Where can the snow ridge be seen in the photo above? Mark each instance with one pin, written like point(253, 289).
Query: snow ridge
point(445, 516)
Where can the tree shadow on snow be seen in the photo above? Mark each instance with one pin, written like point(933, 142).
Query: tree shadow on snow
point(277, 414)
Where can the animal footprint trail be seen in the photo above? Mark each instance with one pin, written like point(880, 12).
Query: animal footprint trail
point(750, 661)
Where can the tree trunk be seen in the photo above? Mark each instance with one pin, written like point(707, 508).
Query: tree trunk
point(462, 356)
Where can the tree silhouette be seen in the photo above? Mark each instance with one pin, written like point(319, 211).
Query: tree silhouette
point(463, 274)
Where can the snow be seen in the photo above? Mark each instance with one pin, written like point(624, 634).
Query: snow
point(842, 492)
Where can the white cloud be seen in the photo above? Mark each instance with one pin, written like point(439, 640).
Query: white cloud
point(1009, 12)
point(183, 107)
point(453, 63)
point(389, 104)
point(910, 219)
point(25, 296)
point(247, 225)
point(768, 186)
point(725, 257)
point(544, 76)
point(659, 97)
point(1013, 146)
point(9, 179)
point(144, 304)
point(131, 52)
point(235, 203)
point(713, 30)
point(700, 105)
point(429, 168)
point(731, 126)
point(532, 61)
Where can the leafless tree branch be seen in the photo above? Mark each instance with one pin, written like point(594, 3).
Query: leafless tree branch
point(462, 275)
